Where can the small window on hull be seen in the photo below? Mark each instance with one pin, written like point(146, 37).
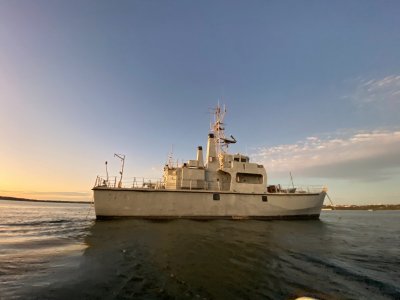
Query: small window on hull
point(215, 196)
point(264, 198)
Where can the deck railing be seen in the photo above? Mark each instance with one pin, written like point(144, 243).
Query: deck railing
point(132, 182)
point(289, 189)
point(158, 183)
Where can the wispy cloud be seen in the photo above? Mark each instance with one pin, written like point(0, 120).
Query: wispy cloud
point(362, 155)
point(378, 91)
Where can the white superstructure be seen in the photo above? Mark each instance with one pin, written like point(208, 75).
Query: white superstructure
point(221, 186)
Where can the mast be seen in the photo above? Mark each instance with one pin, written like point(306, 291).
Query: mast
point(170, 162)
point(218, 129)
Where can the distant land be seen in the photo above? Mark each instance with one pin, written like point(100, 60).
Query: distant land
point(363, 207)
point(326, 207)
point(36, 200)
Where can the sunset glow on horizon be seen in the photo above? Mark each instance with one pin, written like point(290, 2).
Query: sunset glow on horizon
point(312, 89)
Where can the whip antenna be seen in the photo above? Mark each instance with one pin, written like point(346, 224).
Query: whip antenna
point(122, 158)
point(107, 171)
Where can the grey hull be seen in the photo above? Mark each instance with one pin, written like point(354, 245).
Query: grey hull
point(204, 205)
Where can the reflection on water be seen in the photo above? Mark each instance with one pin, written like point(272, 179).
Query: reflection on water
point(215, 259)
point(66, 255)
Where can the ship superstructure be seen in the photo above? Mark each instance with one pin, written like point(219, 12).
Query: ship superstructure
point(221, 171)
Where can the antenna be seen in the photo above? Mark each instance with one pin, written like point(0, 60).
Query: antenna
point(170, 157)
point(107, 171)
point(122, 158)
point(291, 178)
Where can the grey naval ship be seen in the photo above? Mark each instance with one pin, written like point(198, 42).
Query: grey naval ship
point(221, 186)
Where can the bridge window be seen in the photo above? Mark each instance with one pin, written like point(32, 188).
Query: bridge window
point(249, 178)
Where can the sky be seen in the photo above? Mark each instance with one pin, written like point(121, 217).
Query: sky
point(312, 88)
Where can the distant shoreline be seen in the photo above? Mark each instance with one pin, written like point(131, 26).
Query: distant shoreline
point(363, 207)
point(325, 207)
point(36, 200)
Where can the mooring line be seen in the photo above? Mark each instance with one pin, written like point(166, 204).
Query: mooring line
point(330, 201)
point(90, 207)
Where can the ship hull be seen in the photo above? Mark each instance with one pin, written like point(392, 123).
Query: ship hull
point(189, 204)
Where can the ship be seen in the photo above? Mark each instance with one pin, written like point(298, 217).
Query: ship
point(218, 186)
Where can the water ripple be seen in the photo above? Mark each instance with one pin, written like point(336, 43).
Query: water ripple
point(50, 251)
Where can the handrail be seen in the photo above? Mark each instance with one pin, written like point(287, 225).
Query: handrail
point(133, 182)
point(189, 184)
point(290, 189)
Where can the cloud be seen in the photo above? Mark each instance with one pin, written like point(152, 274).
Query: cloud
point(384, 91)
point(361, 155)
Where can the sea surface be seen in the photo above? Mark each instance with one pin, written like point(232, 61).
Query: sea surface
point(59, 251)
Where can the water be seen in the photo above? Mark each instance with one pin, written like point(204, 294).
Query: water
point(59, 251)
